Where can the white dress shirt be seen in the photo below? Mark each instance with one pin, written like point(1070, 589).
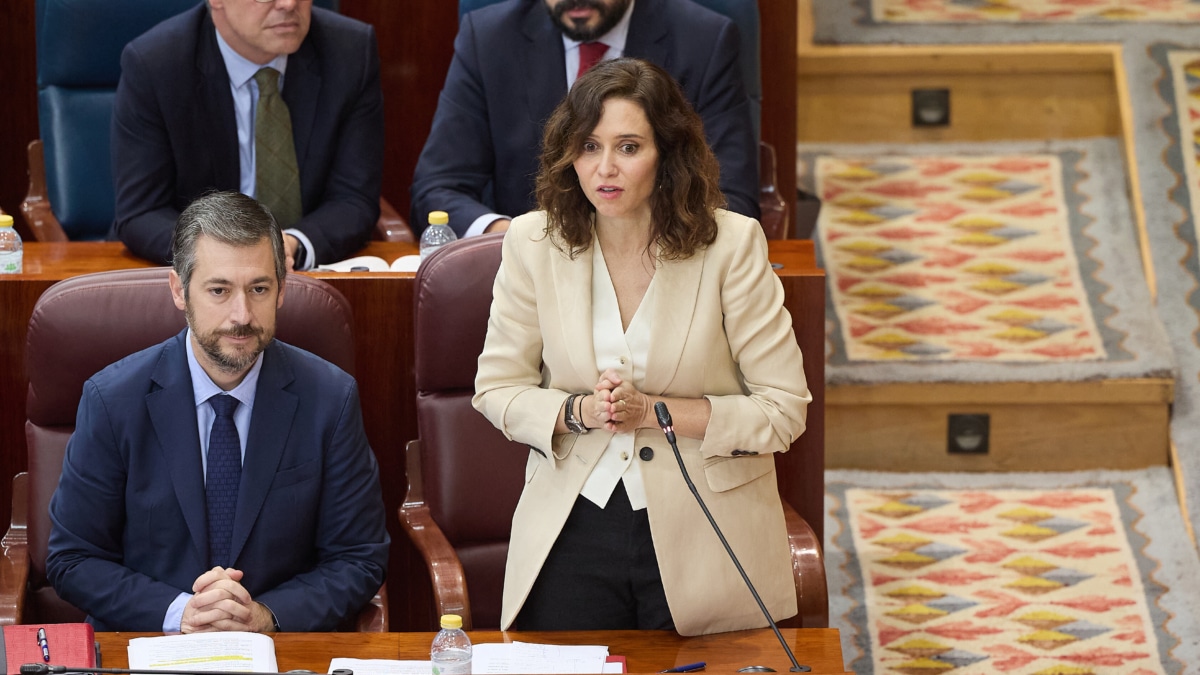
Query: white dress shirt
point(624, 352)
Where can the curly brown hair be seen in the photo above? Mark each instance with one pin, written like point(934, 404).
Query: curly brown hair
point(682, 218)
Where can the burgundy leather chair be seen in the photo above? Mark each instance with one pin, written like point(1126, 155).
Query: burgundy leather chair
point(465, 477)
point(79, 326)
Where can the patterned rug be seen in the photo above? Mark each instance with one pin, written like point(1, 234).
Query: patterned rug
point(951, 256)
point(1025, 574)
point(1040, 11)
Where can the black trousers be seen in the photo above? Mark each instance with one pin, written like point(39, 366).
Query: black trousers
point(601, 574)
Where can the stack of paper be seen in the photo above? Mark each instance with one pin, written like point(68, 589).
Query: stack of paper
point(499, 659)
point(249, 652)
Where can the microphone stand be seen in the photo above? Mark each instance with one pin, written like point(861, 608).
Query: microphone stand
point(46, 669)
point(664, 421)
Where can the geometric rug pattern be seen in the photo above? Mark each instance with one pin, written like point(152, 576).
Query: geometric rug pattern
point(1023, 581)
point(966, 258)
point(1036, 581)
point(1164, 152)
point(1040, 11)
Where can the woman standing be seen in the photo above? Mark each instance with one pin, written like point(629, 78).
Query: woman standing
point(631, 286)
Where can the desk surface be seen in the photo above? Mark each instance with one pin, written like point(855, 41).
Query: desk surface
point(62, 260)
point(644, 651)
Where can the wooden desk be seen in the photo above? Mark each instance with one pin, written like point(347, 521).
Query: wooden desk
point(644, 651)
point(383, 329)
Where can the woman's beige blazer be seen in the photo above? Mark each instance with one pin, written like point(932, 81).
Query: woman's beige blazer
point(720, 331)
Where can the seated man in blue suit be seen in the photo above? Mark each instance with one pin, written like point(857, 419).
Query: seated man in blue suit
point(515, 60)
point(220, 480)
point(191, 116)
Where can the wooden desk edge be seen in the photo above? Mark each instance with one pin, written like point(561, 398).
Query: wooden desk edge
point(817, 647)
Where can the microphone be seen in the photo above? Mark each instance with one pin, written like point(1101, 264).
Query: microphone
point(664, 422)
point(46, 669)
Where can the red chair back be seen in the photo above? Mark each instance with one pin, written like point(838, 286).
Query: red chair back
point(472, 475)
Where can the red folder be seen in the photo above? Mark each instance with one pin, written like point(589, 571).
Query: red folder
point(71, 644)
point(617, 659)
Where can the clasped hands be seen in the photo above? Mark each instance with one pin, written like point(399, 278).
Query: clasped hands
point(221, 603)
point(616, 405)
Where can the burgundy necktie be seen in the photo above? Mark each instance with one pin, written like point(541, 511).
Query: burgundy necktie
point(590, 54)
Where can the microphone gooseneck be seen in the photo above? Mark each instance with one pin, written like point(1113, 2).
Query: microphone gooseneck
point(46, 669)
point(664, 422)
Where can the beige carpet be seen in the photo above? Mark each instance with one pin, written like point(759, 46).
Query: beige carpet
point(1040, 11)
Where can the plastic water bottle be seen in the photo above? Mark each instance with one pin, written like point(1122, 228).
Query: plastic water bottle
point(451, 650)
point(438, 234)
point(11, 248)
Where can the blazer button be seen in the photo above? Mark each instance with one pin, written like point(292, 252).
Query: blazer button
point(646, 453)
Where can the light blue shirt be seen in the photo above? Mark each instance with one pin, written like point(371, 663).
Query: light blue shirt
point(615, 39)
point(203, 388)
point(245, 101)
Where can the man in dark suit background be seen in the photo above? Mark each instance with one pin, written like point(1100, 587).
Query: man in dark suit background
point(514, 61)
point(157, 523)
point(186, 111)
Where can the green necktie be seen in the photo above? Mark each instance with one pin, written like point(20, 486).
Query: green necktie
point(276, 177)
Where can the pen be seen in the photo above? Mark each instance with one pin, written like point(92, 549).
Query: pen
point(689, 668)
point(44, 644)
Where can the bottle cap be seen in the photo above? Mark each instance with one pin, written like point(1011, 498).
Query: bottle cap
point(451, 621)
point(439, 218)
point(6, 220)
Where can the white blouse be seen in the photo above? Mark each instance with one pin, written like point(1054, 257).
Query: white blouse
point(624, 352)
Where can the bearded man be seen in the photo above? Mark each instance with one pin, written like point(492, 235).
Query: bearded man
point(220, 480)
point(515, 60)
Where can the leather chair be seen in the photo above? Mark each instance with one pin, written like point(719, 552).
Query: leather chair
point(744, 14)
point(79, 45)
point(78, 327)
point(465, 477)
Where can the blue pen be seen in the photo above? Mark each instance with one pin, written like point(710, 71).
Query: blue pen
point(44, 644)
point(689, 668)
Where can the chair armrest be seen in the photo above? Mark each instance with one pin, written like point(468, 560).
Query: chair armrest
point(374, 617)
point(771, 204)
point(391, 226)
point(445, 569)
point(14, 565)
point(808, 568)
point(36, 206)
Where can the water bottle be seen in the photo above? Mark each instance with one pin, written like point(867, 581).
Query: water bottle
point(11, 249)
point(451, 650)
point(438, 234)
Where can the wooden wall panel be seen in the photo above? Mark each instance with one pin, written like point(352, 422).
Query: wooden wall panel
point(18, 80)
point(778, 19)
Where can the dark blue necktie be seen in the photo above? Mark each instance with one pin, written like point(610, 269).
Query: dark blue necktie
point(224, 475)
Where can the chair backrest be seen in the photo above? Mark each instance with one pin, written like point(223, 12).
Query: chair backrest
point(744, 14)
point(472, 474)
point(83, 324)
point(79, 45)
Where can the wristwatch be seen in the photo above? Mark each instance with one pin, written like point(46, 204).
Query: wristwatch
point(573, 423)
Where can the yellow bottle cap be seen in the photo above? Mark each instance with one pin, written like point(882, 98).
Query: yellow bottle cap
point(6, 220)
point(450, 620)
point(439, 218)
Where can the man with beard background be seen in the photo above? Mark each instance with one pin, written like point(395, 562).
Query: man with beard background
point(515, 60)
point(157, 523)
